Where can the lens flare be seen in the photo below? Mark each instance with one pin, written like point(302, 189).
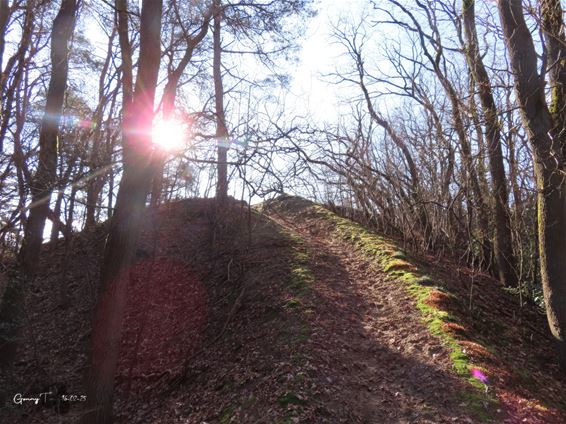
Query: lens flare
point(479, 375)
point(169, 134)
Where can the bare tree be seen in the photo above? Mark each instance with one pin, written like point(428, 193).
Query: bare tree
point(503, 243)
point(45, 176)
point(546, 128)
point(127, 217)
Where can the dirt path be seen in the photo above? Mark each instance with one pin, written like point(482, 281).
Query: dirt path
point(376, 361)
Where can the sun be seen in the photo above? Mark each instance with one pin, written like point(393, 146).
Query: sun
point(169, 134)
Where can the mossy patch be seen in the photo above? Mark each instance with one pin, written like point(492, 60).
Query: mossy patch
point(301, 276)
point(399, 255)
point(301, 279)
point(292, 303)
point(303, 335)
point(398, 265)
point(290, 398)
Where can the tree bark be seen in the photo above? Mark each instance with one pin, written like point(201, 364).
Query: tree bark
point(547, 138)
point(503, 245)
point(4, 18)
point(126, 221)
point(122, 23)
point(46, 174)
point(221, 129)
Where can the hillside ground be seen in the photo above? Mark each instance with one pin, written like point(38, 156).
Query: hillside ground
point(280, 314)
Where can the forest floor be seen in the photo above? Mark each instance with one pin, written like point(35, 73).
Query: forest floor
point(286, 314)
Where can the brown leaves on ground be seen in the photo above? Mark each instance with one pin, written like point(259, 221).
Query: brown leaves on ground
point(511, 342)
point(369, 342)
point(218, 331)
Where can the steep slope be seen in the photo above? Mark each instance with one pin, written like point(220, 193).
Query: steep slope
point(282, 314)
point(368, 339)
point(489, 338)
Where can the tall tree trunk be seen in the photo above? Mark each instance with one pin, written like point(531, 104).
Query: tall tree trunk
point(46, 174)
point(503, 245)
point(55, 229)
point(4, 18)
point(122, 23)
point(546, 134)
point(221, 129)
point(126, 221)
point(510, 136)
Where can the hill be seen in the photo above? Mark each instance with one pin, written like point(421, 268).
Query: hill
point(286, 313)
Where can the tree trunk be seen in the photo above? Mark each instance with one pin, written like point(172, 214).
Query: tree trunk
point(503, 245)
point(56, 223)
point(511, 134)
point(126, 221)
point(221, 129)
point(547, 137)
point(122, 24)
point(46, 174)
point(4, 18)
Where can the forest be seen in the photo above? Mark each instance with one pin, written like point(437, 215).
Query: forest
point(282, 211)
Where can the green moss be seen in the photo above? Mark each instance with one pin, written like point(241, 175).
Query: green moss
point(228, 387)
point(424, 280)
point(554, 100)
point(527, 379)
point(301, 276)
point(292, 303)
point(479, 403)
point(399, 255)
point(227, 414)
point(397, 264)
point(299, 377)
point(301, 256)
point(301, 279)
point(290, 398)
